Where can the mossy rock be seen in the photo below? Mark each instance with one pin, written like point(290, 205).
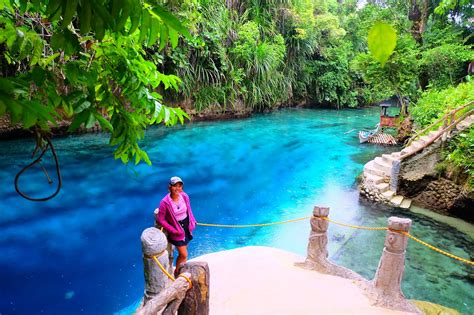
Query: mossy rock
point(429, 308)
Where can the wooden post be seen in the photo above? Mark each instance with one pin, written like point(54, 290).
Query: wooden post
point(388, 278)
point(317, 248)
point(167, 302)
point(196, 301)
point(154, 243)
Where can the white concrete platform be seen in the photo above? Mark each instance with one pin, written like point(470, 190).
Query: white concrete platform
point(264, 280)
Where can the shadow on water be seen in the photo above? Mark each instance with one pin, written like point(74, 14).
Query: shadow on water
point(292, 144)
point(326, 125)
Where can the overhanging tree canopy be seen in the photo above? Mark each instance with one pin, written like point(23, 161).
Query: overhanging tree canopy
point(86, 61)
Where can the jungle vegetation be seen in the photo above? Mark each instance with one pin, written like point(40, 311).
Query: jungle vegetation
point(118, 62)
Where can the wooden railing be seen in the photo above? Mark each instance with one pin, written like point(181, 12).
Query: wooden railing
point(448, 124)
point(164, 294)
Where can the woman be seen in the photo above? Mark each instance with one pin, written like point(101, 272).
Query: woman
point(176, 217)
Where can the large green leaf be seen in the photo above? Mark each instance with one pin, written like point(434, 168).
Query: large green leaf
point(65, 40)
point(78, 120)
point(382, 41)
point(171, 20)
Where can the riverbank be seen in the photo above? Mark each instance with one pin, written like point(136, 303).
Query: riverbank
point(457, 223)
point(12, 131)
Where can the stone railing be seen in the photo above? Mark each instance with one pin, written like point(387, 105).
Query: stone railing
point(447, 120)
point(187, 294)
point(385, 289)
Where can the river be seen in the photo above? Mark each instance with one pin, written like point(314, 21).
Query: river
point(79, 253)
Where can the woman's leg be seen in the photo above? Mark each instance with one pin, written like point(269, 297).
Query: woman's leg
point(182, 257)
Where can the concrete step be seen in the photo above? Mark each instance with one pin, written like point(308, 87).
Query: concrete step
point(389, 158)
point(388, 194)
point(383, 187)
point(396, 155)
point(382, 165)
point(371, 169)
point(406, 203)
point(373, 178)
point(407, 150)
point(396, 200)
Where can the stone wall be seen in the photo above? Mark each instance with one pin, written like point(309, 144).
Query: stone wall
point(368, 190)
point(438, 195)
point(429, 188)
point(420, 165)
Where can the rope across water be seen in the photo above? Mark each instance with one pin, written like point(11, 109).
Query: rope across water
point(252, 225)
point(342, 224)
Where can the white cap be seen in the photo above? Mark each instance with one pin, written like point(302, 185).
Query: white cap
point(175, 179)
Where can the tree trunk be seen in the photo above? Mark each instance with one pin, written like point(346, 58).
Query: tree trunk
point(418, 14)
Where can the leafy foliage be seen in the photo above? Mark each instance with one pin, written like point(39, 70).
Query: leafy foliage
point(461, 153)
point(398, 77)
point(75, 60)
point(434, 104)
point(103, 62)
point(444, 55)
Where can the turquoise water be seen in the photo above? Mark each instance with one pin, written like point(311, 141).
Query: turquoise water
point(80, 252)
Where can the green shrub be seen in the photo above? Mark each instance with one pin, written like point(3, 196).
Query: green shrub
point(460, 152)
point(433, 104)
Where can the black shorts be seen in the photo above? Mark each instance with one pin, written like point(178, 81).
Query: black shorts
point(187, 235)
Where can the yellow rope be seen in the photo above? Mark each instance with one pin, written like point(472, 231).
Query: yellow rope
point(169, 275)
point(163, 269)
point(437, 249)
point(187, 279)
point(252, 225)
point(354, 226)
point(342, 224)
point(404, 233)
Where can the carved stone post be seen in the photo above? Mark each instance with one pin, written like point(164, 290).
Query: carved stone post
point(318, 237)
point(154, 243)
point(317, 248)
point(388, 278)
point(389, 274)
point(196, 301)
point(170, 246)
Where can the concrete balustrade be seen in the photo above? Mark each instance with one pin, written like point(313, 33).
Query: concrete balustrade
point(317, 257)
point(385, 289)
point(386, 285)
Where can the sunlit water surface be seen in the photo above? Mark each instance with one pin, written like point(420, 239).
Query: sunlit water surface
point(80, 252)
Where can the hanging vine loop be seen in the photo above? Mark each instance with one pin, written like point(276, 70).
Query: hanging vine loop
point(43, 143)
